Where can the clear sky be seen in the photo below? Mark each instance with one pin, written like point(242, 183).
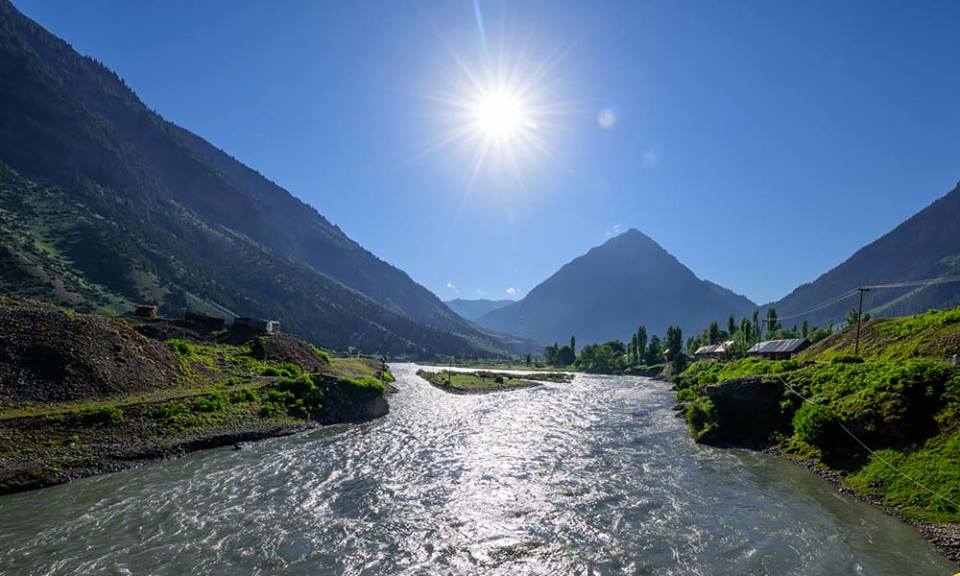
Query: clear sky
point(759, 142)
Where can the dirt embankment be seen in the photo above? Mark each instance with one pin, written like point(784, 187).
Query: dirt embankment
point(48, 355)
point(82, 395)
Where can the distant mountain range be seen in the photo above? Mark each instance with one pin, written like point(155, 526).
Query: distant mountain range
point(473, 309)
point(105, 203)
point(927, 245)
point(612, 289)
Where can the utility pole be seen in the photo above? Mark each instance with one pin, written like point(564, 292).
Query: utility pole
point(856, 350)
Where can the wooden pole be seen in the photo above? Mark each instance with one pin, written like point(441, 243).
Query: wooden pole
point(856, 349)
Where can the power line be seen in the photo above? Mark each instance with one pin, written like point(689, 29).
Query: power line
point(904, 284)
point(872, 451)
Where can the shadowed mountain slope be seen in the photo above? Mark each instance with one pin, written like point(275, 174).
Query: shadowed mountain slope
point(612, 289)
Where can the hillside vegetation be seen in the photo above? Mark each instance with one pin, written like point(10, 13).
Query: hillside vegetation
point(83, 394)
point(901, 398)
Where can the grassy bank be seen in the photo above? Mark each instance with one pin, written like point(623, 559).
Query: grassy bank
point(901, 398)
point(483, 381)
point(55, 427)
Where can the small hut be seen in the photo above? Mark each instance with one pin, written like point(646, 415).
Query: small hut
point(148, 311)
point(778, 349)
point(714, 351)
point(204, 321)
point(258, 325)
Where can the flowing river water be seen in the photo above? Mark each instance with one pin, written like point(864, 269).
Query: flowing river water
point(593, 477)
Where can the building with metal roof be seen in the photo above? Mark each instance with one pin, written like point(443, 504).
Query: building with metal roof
point(714, 351)
point(778, 349)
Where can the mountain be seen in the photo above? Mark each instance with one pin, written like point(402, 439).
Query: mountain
point(925, 246)
point(105, 203)
point(614, 288)
point(473, 309)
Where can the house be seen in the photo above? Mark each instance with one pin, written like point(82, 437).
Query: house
point(204, 321)
point(778, 349)
point(257, 325)
point(148, 311)
point(714, 351)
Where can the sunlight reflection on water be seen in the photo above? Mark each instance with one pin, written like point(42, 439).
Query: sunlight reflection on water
point(593, 477)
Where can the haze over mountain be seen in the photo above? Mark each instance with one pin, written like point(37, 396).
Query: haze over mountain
point(105, 203)
point(473, 309)
point(927, 245)
point(612, 289)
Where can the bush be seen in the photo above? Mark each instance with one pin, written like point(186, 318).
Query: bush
point(817, 425)
point(258, 348)
point(213, 403)
point(361, 389)
point(245, 395)
point(323, 354)
point(181, 347)
point(846, 359)
point(107, 415)
point(700, 415)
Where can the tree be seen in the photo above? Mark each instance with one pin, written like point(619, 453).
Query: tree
point(772, 323)
point(674, 346)
point(713, 335)
point(756, 326)
point(528, 359)
point(565, 356)
point(853, 315)
point(731, 326)
point(654, 354)
point(632, 350)
point(805, 328)
point(573, 345)
point(641, 343)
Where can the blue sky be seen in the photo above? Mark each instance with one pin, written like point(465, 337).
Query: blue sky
point(759, 142)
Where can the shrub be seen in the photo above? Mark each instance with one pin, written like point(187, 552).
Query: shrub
point(273, 371)
point(846, 359)
point(361, 389)
point(816, 425)
point(323, 354)
point(181, 347)
point(213, 403)
point(245, 395)
point(107, 415)
point(700, 415)
point(258, 348)
point(172, 411)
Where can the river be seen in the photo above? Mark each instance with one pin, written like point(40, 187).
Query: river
point(593, 477)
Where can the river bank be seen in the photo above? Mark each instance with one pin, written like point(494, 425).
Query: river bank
point(883, 425)
point(82, 395)
point(465, 381)
point(594, 476)
point(943, 536)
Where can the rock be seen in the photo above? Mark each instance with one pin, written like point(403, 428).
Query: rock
point(747, 411)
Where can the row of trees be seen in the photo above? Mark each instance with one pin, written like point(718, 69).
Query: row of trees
point(749, 331)
point(641, 351)
point(560, 356)
point(615, 356)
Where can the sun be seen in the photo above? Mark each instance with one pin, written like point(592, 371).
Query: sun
point(500, 115)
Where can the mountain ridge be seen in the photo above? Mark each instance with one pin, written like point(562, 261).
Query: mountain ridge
point(925, 245)
point(164, 216)
point(647, 288)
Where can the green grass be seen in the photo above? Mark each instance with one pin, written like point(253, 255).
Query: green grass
point(933, 334)
point(935, 465)
point(474, 381)
point(899, 397)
